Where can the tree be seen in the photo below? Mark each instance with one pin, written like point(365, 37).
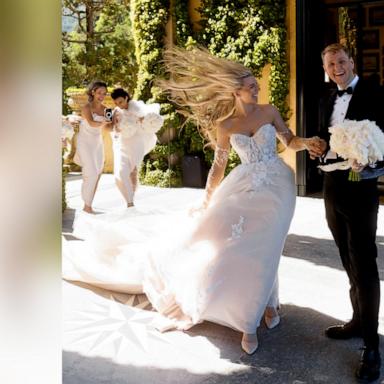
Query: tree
point(100, 45)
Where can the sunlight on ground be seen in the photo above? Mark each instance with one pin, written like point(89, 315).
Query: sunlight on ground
point(321, 288)
point(97, 327)
point(106, 329)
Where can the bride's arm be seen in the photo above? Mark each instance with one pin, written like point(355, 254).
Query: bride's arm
point(216, 173)
point(314, 145)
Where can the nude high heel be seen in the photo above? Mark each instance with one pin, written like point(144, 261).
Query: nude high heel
point(249, 343)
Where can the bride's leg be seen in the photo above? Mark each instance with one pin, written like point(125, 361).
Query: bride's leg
point(249, 343)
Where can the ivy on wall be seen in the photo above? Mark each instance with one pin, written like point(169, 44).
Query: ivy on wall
point(149, 19)
point(252, 32)
point(347, 30)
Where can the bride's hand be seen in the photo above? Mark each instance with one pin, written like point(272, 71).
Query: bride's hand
point(196, 210)
point(315, 146)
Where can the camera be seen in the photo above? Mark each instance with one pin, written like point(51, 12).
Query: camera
point(108, 113)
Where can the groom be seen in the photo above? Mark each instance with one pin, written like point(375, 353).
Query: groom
point(352, 207)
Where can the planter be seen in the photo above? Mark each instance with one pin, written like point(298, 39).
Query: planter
point(168, 135)
point(78, 98)
point(194, 172)
point(174, 159)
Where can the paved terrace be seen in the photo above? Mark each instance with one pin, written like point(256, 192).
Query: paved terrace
point(108, 339)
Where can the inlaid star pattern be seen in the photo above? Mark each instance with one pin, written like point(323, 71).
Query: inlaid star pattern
point(115, 328)
point(110, 328)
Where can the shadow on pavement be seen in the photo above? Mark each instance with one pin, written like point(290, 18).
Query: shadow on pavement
point(67, 221)
point(324, 251)
point(295, 352)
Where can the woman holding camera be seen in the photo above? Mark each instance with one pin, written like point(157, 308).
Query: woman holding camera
point(89, 148)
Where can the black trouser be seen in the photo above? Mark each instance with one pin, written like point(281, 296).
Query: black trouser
point(351, 211)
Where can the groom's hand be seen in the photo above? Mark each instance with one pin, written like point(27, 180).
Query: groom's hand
point(317, 147)
point(357, 167)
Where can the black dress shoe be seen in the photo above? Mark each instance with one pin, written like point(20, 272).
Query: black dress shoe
point(369, 366)
point(343, 331)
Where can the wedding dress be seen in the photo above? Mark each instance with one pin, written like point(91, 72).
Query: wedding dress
point(221, 266)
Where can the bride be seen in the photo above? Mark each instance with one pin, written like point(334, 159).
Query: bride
point(224, 266)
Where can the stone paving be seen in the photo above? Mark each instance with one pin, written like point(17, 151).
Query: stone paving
point(108, 337)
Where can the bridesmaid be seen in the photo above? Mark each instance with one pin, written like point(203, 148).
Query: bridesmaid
point(89, 149)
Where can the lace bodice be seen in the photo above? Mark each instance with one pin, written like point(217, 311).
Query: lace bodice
point(261, 147)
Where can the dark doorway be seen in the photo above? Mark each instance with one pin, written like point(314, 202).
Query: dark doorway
point(358, 23)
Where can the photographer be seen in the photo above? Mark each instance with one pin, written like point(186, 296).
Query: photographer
point(90, 149)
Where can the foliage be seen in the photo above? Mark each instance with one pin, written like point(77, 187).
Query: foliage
point(347, 30)
point(149, 26)
point(183, 24)
point(149, 21)
point(101, 46)
point(167, 178)
point(252, 32)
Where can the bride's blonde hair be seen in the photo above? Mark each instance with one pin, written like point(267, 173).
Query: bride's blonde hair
point(203, 85)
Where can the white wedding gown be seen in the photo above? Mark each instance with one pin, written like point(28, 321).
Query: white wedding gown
point(220, 267)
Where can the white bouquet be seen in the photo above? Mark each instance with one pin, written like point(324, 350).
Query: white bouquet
point(360, 142)
point(140, 118)
point(138, 107)
point(128, 123)
point(67, 130)
point(152, 122)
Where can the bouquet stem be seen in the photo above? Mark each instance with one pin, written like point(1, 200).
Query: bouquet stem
point(353, 176)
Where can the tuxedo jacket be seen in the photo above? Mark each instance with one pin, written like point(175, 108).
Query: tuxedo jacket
point(367, 102)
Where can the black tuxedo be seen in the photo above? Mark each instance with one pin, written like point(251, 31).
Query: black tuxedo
point(351, 212)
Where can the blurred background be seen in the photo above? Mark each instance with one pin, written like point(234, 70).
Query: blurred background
point(30, 203)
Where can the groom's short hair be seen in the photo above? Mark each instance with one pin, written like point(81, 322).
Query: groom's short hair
point(334, 48)
point(119, 92)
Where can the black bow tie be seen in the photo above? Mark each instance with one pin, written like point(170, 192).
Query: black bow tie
point(341, 92)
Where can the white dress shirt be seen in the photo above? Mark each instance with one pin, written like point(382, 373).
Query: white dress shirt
point(340, 110)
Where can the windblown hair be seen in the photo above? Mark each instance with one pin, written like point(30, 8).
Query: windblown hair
point(203, 85)
point(334, 48)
